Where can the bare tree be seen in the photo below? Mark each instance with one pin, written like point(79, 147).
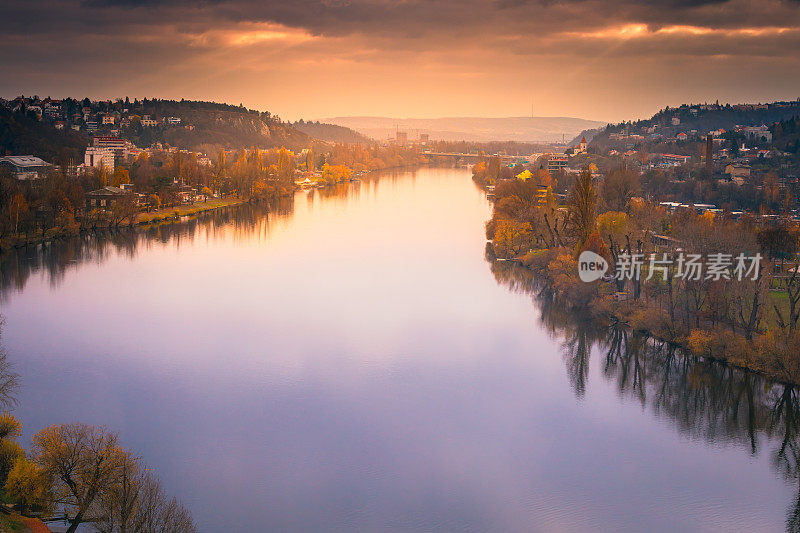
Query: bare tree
point(791, 285)
point(619, 186)
point(8, 378)
point(583, 206)
point(136, 503)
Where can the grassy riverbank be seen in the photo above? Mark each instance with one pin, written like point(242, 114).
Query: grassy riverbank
point(167, 213)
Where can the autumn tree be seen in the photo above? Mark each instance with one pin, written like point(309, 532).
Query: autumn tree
point(285, 166)
point(82, 462)
point(28, 485)
point(511, 237)
point(10, 427)
point(123, 209)
point(582, 205)
point(10, 450)
point(619, 186)
point(614, 226)
point(18, 208)
point(219, 172)
point(309, 160)
point(493, 169)
point(121, 176)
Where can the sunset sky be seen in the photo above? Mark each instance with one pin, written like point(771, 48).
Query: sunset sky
point(595, 59)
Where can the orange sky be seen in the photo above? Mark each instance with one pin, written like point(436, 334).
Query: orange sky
point(595, 59)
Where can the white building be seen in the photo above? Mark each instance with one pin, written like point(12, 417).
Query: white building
point(120, 147)
point(758, 133)
point(97, 156)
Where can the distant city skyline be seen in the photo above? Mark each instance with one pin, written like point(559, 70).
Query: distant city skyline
point(598, 60)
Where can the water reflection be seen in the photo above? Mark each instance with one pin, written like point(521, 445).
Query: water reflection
point(59, 256)
point(55, 259)
point(703, 399)
point(362, 370)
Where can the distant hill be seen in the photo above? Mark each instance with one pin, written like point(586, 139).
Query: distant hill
point(330, 132)
point(694, 120)
point(585, 134)
point(207, 124)
point(28, 126)
point(520, 129)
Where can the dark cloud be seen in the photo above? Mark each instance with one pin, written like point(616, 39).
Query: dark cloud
point(389, 17)
point(120, 43)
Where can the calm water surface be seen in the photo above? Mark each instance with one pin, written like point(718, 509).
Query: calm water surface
point(352, 362)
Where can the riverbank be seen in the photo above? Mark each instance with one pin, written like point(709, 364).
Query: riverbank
point(144, 218)
point(749, 321)
point(170, 213)
point(552, 269)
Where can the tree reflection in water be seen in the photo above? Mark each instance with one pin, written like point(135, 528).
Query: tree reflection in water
point(702, 398)
point(59, 256)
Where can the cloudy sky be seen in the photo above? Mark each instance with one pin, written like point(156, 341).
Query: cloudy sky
point(596, 59)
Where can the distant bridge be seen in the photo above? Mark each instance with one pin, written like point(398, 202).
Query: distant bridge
point(503, 157)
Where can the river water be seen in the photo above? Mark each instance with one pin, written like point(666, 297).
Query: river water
point(351, 361)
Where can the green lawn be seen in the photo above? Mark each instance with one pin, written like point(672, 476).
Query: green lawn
point(186, 210)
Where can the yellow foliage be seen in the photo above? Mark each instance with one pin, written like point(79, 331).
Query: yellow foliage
point(10, 427)
point(28, 485)
point(121, 176)
point(332, 174)
point(511, 237)
point(614, 223)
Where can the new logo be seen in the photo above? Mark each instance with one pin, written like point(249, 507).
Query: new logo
point(591, 266)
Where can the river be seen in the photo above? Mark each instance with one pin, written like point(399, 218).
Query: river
point(351, 361)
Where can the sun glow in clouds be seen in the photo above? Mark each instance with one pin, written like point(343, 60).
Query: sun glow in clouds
point(250, 35)
point(630, 31)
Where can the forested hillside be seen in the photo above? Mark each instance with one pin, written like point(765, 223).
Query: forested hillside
point(43, 127)
point(208, 125)
point(24, 134)
point(330, 132)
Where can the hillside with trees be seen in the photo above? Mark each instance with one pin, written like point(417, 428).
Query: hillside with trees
point(693, 119)
point(23, 133)
point(43, 127)
point(205, 126)
point(330, 132)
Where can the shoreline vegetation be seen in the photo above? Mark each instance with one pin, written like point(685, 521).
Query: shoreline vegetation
point(76, 474)
point(144, 218)
point(753, 323)
point(163, 185)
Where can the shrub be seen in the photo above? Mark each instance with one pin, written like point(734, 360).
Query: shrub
point(27, 485)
